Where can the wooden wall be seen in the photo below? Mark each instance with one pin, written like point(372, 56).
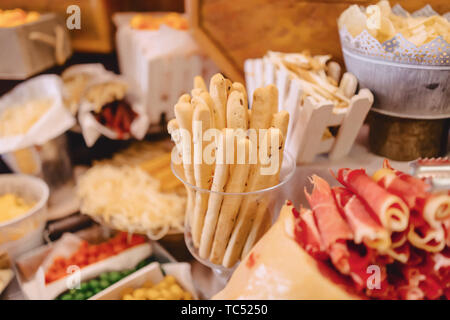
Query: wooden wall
point(234, 30)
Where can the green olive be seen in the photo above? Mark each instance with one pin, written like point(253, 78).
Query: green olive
point(114, 276)
point(104, 284)
point(93, 284)
point(84, 286)
point(80, 296)
point(104, 276)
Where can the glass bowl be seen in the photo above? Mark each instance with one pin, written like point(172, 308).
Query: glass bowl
point(267, 201)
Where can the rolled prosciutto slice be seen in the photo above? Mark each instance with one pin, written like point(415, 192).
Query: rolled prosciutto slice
point(400, 253)
point(307, 234)
point(418, 184)
point(333, 229)
point(390, 209)
point(425, 236)
point(364, 226)
point(437, 209)
point(399, 238)
point(410, 191)
point(447, 231)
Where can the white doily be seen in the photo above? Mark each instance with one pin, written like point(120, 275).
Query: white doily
point(398, 49)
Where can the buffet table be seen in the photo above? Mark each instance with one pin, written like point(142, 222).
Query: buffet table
point(145, 173)
point(204, 278)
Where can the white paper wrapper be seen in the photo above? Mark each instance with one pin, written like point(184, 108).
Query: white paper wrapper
point(36, 289)
point(92, 129)
point(161, 64)
point(53, 123)
point(93, 69)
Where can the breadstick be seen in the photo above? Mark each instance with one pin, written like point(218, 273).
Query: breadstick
point(200, 83)
point(348, 85)
point(183, 114)
point(219, 94)
point(229, 85)
point(248, 210)
point(261, 218)
point(205, 97)
point(265, 226)
point(173, 129)
point(280, 121)
point(334, 71)
point(262, 205)
point(184, 98)
point(230, 205)
point(265, 104)
point(237, 86)
point(196, 92)
point(203, 172)
point(172, 126)
point(237, 115)
point(215, 200)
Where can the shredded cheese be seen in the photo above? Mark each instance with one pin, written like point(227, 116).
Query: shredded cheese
point(129, 199)
point(18, 119)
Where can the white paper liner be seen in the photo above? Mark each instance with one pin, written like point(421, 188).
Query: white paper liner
point(92, 129)
point(36, 289)
point(53, 123)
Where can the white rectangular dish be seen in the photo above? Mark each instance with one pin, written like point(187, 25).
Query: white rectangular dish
point(181, 271)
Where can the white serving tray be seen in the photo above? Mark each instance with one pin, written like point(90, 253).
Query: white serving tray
point(181, 271)
point(308, 119)
point(157, 251)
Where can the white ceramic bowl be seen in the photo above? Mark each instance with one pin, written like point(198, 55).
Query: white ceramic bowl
point(24, 232)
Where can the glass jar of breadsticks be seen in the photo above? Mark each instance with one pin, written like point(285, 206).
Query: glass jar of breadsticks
point(232, 162)
point(404, 59)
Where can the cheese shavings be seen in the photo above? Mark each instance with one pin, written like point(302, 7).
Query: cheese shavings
point(128, 199)
point(18, 119)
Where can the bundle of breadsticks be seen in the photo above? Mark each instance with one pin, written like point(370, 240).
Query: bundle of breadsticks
point(228, 218)
point(320, 78)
